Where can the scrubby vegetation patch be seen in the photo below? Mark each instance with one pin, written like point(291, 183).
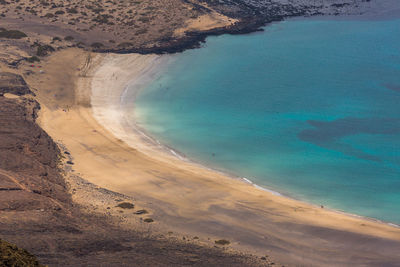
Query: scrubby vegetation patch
point(222, 242)
point(11, 255)
point(126, 205)
point(11, 34)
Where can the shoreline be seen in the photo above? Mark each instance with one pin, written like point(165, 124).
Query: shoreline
point(151, 145)
point(127, 101)
point(187, 199)
point(253, 24)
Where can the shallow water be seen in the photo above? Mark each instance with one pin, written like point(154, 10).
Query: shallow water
point(308, 108)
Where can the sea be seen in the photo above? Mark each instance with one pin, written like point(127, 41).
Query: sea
point(308, 108)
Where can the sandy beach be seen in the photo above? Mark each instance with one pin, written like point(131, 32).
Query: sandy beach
point(88, 118)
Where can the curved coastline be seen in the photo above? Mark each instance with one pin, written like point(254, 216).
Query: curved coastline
point(113, 101)
point(186, 198)
point(138, 138)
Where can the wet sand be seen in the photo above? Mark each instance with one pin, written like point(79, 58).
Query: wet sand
point(184, 197)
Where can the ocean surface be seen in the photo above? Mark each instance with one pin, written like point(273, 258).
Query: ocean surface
point(308, 108)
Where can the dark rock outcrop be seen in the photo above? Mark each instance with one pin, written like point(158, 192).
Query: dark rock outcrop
point(13, 84)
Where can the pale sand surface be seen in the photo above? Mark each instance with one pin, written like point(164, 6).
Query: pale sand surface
point(185, 197)
point(205, 22)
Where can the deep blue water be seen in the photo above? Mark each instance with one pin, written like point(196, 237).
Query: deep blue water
point(308, 108)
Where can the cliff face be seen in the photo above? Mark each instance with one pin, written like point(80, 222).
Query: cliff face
point(31, 186)
point(29, 177)
point(13, 83)
point(28, 160)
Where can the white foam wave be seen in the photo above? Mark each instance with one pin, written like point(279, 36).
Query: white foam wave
point(261, 188)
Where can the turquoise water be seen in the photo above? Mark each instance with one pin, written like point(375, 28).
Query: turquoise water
point(308, 108)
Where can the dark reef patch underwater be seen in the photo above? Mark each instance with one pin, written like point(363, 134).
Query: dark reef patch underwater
point(309, 108)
